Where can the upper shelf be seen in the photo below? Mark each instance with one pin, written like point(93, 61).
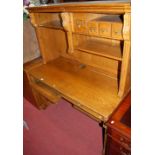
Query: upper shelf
point(101, 49)
point(52, 24)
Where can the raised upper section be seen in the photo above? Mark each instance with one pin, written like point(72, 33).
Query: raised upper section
point(111, 7)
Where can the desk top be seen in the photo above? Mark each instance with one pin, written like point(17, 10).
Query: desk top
point(120, 6)
point(80, 85)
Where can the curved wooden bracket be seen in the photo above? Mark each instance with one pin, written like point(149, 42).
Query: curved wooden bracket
point(67, 24)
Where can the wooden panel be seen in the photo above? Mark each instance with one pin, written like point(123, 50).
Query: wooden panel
point(50, 41)
point(94, 91)
point(43, 18)
point(108, 67)
point(27, 90)
point(127, 26)
point(30, 44)
point(125, 70)
point(101, 48)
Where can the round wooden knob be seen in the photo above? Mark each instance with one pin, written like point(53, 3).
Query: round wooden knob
point(112, 122)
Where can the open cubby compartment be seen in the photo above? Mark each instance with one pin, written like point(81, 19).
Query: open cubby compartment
point(99, 46)
point(102, 25)
point(49, 20)
point(104, 54)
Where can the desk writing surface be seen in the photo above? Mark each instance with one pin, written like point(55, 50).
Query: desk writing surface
point(81, 85)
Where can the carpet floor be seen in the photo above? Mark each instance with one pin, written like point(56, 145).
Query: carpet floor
point(60, 130)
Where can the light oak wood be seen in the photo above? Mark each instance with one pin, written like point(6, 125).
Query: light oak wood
point(67, 24)
point(112, 7)
point(80, 85)
point(125, 82)
point(49, 41)
point(86, 53)
point(127, 26)
point(101, 48)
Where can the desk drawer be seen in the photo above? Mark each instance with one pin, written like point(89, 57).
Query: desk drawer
point(92, 28)
point(117, 31)
point(41, 101)
point(44, 94)
point(124, 141)
point(104, 29)
point(114, 148)
point(80, 26)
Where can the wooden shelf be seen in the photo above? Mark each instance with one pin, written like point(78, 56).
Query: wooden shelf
point(84, 88)
point(53, 24)
point(101, 49)
point(109, 18)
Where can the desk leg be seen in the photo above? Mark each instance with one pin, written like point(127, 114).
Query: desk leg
point(104, 137)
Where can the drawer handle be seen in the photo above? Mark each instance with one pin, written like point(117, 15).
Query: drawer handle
point(117, 32)
point(102, 30)
point(92, 29)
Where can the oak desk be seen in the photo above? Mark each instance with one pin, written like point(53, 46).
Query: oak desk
point(85, 50)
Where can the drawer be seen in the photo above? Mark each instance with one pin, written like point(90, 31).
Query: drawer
point(80, 26)
point(124, 141)
point(104, 29)
point(92, 28)
point(114, 148)
point(117, 31)
point(41, 101)
point(44, 95)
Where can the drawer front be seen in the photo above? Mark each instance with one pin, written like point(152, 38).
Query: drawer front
point(44, 95)
point(117, 31)
point(124, 141)
point(104, 29)
point(80, 25)
point(92, 28)
point(114, 148)
point(41, 101)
